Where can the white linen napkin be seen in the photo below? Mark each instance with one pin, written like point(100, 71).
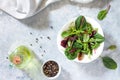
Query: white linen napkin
point(21, 9)
point(82, 1)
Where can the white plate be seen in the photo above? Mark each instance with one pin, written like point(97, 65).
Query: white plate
point(96, 53)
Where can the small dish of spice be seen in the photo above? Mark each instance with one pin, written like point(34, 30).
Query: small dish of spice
point(51, 69)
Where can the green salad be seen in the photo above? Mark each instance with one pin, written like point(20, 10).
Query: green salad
point(80, 39)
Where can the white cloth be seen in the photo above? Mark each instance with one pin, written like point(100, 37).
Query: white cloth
point(82, 1)
point(21, 9)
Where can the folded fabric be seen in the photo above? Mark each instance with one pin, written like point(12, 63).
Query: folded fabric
point(82, 1)
point(21, 9)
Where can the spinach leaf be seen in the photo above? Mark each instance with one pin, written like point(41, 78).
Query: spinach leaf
point(109, 62)
point(69, 32)
point(77, 45)
point(66, 34)
point(69, 55)
point(99, 38)
point(91, 40)
point(80, 22)
point(112, 47)
point(102, 14)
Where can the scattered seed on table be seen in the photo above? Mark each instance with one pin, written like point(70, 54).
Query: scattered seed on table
point(41, 37)
point(41, 47)
point(44, 51)
point(48, 38)
point(37, 40)
point(30, 33)
point(42, 55)
point(30, 44)
point(51, 27)
point(6, 57)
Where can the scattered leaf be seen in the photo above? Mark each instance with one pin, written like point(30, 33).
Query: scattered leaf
point(112, 47)
point(103, 13)
point(109, 62)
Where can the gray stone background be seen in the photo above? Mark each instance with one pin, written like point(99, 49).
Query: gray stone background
point(46, 24)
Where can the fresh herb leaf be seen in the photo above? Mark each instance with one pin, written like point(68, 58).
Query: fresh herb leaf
point(66, 34)
point(69, 43)
point(80, 22)
point(88, 28)
point(77, 45)
point(102, 14)
point(95, 45)
point(109, 62)
point(86, 37)
point(112, 47)
point(99, 38)
point(69, 55)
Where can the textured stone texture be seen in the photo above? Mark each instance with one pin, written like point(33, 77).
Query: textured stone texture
point(46, 24)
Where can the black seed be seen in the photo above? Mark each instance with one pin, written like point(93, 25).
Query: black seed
point(51, 27)
point(44, 51)
point(41, 37)
point(48, 38)
point(6, 57)
point(41, 47)
point(30, 33)
point(42, 55)
point(30, 44)
point(37, 39)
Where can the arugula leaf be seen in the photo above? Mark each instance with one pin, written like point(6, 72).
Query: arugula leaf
point(102, 14)
point(112, 47)
point(109, 62)
point(80, 22)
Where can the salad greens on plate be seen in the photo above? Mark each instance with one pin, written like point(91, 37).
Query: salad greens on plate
point(80, 39)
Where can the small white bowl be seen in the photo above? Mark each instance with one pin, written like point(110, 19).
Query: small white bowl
point(56, 76)
point(96, 53)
